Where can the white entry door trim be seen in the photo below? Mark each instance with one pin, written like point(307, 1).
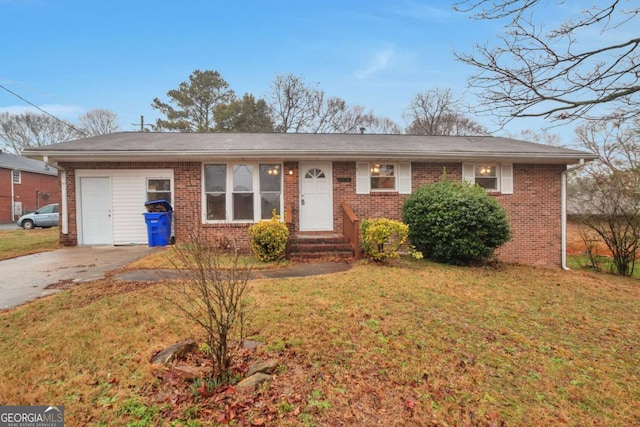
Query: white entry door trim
point(316, 196)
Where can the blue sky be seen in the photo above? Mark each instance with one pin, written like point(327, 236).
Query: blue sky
point(70, 56)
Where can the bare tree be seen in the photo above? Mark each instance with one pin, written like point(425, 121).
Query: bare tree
point(27, 130)
point(438, 112)
point(606, 195)
point(294, 103)
point(213, 294)
point(541, 136)
point(537, 72)
point(300, 107)
point(98, 122)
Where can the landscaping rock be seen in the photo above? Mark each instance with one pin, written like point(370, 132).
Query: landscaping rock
point(250, 383)
point(266, 367)
point(190, 373)
point(175, 351)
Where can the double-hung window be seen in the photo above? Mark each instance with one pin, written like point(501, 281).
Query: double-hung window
point(493, 177)
point(380, 177)
point(16, 176)
point(242, 192)
point(270, 190)
point(383, 177)
point(158, 189)
point(215, 187)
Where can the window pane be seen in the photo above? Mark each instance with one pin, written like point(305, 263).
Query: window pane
point(486, 171)
point(159, 185)
point(215, 178)
point(158, 196)
point(243, 178)
point(383, 183)
point(487, 183)
point(243, 206)
point(270, 177)
point(216, 206)
point(269, 202)
point(46, 210)
point(383, 170)
point(16, 177)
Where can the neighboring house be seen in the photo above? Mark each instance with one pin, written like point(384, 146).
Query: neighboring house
point(25, 185)
point(221, 183)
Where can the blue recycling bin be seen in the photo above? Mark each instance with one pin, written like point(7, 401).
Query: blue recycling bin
point(158, 219)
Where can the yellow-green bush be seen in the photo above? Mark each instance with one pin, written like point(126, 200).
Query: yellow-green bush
point(269, 239)
point(382, 237)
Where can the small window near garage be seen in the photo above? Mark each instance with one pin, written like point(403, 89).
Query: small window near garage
point(270, 189)
point(486, 176)
point(383, 177)
point(215, 182)
point(159, 189)
point(17, 177)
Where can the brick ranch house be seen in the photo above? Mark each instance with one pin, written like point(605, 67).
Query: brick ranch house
point(220, 183)
point(25, 185)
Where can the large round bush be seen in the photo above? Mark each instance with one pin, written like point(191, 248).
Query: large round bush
point(455, 222)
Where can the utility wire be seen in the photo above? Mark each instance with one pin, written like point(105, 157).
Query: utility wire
point(45, 112)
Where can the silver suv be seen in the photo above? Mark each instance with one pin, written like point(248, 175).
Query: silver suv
point(45, 217)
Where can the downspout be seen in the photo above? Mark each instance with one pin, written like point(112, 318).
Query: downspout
point(13, 198)
point(563, 213)
point(63, 196)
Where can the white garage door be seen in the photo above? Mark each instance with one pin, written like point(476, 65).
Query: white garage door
point(129, 190)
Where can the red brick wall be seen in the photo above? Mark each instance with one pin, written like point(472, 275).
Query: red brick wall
point(533, 209)
point(25, 192)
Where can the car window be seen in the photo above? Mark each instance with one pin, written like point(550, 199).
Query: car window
point(46, 210)
point(55, 208)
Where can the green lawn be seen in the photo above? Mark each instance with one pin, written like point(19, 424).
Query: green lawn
point(415, 343)
point(18, 242)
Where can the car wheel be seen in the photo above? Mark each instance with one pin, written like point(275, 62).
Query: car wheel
point(27, 224)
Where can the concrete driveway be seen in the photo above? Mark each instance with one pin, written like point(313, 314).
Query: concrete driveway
point(25, 278)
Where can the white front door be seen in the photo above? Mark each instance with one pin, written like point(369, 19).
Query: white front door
point(316, 197)
point(95, 210)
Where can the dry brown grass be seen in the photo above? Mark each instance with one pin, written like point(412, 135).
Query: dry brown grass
point(411, 344)
point(19, 242)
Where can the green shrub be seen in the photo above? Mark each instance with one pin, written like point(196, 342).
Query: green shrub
point(381, 237)
point(269, 239)
point(455, 222)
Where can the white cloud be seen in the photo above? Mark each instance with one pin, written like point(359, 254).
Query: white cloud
point(381, 60)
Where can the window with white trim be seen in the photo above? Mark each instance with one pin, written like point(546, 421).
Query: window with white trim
point(383, 177)
point(376, 177)
point(17, 177)
point(158, 189)
point(242, 192)
point(215, 187)
point(486, 176)
point(493, 177)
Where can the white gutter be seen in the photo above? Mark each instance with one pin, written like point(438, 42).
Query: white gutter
point(563, 213)
point(13, 199)
point(63, 195)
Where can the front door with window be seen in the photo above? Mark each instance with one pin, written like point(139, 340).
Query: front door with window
point(316, 197)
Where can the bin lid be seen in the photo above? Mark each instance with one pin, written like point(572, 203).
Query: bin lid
point(162, 203)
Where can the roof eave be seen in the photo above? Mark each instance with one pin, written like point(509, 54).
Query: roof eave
point(93, 156)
